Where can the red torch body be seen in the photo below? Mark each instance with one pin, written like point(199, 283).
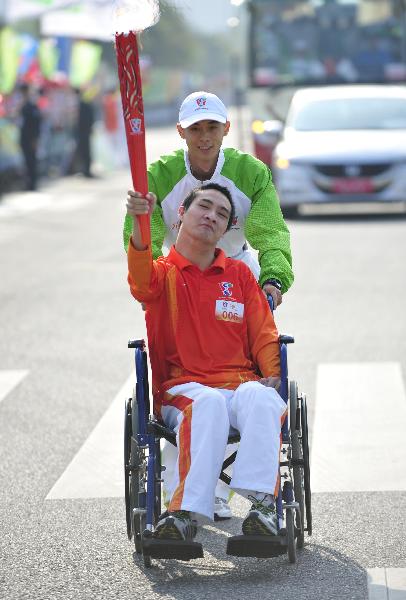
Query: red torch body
point(133, 112)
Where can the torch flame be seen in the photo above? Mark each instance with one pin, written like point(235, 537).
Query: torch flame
point(135, 15)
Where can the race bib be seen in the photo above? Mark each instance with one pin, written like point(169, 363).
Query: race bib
point(228, 310)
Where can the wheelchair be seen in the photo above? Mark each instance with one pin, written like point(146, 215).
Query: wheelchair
point(143, 475)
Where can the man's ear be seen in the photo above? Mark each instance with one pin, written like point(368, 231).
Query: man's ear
point(181, 131)
point(226, 127)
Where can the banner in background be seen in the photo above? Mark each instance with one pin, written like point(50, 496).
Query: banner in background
point(85, 60)
point(48, 57)
point(64, 46)
point(10, 47)
point(88, 21)
point(28, 52)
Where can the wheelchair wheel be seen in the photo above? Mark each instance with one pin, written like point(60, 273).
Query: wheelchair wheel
point(306, 462)
point(127, 472)
point(297, 455)
point(132, 469)
point(137, 519)
point(290, 533)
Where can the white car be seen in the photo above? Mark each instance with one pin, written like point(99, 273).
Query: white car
point(342, 144)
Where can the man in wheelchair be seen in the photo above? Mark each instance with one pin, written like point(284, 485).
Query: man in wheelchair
point(210, 333)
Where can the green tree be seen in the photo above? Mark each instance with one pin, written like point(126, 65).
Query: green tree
point(173, 43)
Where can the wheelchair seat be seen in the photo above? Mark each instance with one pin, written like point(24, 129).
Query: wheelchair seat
point(159, 428)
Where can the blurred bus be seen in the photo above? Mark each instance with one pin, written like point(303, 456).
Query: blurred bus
point(302, 43)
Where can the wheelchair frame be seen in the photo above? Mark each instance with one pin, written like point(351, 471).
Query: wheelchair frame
point(143, 469)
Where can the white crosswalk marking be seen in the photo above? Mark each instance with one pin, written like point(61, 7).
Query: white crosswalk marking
point(9, 380)
point(358, 441)
point(97, 469)
point(386, 584)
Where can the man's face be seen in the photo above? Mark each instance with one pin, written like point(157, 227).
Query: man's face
point(207, 217)
point(204, 139)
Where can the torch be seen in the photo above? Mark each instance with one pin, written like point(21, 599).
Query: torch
point(131, 18)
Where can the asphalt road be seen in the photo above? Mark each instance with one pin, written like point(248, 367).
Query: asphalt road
point(66, 316)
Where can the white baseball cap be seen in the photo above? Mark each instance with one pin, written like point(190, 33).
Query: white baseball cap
point(200, 106)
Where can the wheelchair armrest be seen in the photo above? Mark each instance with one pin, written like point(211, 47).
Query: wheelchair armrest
point(136, 344)
point(157, 428)
point(286, 339)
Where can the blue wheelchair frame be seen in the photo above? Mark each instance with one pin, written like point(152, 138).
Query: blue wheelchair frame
point(294, 496)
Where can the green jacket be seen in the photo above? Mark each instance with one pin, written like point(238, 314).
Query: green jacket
point(258, 215)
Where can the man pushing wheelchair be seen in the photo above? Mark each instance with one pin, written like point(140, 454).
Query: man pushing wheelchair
point(210, 334)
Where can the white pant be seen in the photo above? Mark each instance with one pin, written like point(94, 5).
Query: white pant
point(202, 426)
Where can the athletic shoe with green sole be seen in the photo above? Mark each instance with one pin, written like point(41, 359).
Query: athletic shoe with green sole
point(261, 520)
point(177, 525)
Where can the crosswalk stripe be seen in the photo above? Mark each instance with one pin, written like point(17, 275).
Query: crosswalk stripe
point(9, 380)
point(97, 469)
point(358, 441)
point(386, 584)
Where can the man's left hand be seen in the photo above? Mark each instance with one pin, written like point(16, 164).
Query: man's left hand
point(270, 381)
point(271, 290)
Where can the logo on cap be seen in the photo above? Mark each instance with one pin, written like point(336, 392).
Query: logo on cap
point(201, 102)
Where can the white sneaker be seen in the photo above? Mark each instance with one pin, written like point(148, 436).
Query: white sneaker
point(222, 509)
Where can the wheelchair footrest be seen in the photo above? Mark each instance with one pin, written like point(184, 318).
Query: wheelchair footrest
point(258, 546)
point(178, 549)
